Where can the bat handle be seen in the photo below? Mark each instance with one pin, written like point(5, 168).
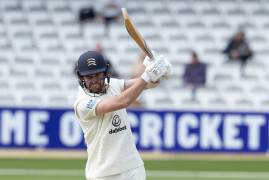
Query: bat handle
point(150, 55)
point(148, 51)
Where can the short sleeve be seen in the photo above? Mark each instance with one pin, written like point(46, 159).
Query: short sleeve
point(117, 84)
point(121, 84)
point(85, 108)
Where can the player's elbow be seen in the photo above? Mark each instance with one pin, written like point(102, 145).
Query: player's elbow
point(124, 102)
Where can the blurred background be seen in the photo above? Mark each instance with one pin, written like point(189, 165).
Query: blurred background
point(209, 120)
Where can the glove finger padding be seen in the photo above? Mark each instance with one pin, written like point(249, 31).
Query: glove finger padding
point(147, 61)
point(157, 69)
point(169, 69)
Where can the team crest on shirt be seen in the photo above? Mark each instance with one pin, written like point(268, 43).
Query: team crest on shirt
point(90, 104)
point(116, 122)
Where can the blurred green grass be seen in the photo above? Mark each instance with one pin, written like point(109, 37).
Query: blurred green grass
point(209, 165)
point(180, 165)
point(151, 165)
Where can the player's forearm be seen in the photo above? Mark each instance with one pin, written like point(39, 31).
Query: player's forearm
point(121, 101)
point(130, 94)
point(130, 82)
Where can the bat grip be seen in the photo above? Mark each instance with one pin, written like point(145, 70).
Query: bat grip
point(148, 51)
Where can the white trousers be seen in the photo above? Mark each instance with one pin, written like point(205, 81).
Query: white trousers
point(133, 174)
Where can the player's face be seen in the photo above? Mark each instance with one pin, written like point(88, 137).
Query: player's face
point(95, 82)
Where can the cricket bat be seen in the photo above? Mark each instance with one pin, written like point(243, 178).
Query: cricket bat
point(134, 33)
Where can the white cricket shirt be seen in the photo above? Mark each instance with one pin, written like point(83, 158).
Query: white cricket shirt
point(110, 144)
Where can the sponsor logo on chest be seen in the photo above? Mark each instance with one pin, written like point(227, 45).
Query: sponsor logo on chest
point(116, 122)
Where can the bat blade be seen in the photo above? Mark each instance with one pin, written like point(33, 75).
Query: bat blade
point(134, 33)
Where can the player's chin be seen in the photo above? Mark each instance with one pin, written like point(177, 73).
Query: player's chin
point(96, 88)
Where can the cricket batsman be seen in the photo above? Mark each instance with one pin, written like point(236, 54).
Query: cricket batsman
point(100, 108)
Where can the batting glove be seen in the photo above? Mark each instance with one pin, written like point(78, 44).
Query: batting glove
point(156, 70)
point(147, 61)
point(168, 66)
